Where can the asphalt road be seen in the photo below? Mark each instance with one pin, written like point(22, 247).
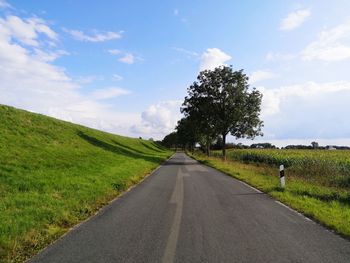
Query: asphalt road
point(187, 212)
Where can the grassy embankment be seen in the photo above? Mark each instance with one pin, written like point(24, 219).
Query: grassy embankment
point(317, 182)
point(54, 174)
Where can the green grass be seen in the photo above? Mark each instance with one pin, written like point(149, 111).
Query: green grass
point(329, 168)
point(54, 174)
point(329, 206)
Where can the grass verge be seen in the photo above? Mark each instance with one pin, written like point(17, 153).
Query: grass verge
point(323, 167)
point(54, 174)
point(329, 206)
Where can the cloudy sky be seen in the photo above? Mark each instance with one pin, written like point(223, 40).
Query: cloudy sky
point(124, 66)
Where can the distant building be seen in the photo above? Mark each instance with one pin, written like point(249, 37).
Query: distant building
point(330, 147)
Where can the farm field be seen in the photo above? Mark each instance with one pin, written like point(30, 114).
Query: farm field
point(325, 167)
point(54, 174)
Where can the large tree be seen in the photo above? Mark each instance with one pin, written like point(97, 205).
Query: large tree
point(222, 102)
point(187, 133)
point(196, 108)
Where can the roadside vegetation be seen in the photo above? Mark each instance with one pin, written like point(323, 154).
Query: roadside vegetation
point(220, 102)
point(310, 187)
point(328, 168)
point(54, 174)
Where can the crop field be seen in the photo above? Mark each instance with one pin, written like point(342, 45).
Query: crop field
point(326, 167)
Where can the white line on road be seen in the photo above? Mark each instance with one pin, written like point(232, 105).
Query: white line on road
point(176, 198)
point(251, 187)
point(290, 209)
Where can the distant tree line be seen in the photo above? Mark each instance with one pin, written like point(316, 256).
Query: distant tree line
point(311, 147)
point(219, 102)
point(172, 141)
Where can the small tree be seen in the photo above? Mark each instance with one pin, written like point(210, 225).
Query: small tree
point(314, 145)
point(186, 133)
point(170, 140)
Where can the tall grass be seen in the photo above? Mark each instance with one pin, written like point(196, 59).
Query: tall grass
point(329, 168)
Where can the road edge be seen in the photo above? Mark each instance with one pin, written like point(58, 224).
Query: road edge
point(312, 219)
point(99, 210)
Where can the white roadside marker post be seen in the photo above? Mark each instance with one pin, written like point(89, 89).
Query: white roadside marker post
point(283, 182)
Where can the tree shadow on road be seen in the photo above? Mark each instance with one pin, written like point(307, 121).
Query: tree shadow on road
point(174, 162)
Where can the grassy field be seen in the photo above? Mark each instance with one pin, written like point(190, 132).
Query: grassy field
point(328, 203)
point(53, 174)
point(329, 168)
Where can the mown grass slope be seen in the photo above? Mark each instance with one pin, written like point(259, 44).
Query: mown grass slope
point(54, 174)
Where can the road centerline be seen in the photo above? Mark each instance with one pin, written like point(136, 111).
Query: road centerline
point(177, 199)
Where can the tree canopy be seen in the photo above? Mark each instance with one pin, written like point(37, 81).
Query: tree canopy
point(220, 102)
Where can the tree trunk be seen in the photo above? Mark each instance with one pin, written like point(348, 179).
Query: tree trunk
point(208, 146)
point(224, 146)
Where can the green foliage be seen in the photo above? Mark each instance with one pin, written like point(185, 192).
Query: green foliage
point(220, 102)
point(329, 206)
point(187, 134)
point(330, 168)
point(54, 174)
point(170, 140)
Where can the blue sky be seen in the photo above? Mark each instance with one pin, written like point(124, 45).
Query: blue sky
point(124, 66)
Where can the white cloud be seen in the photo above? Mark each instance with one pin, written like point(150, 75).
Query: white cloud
point(307, 110)
point(273, 98)
point(108, 93)
point(187, 52)
point(50, 55)
point(29, 81)
point(4, 4)
point(114, 51)
point(276, 56)
point(331, 45)
point(260, 75)
point(40, 26)
point(212, 58)
point(159, 119)
point(87, 79)
point(95, 36)
point(176, 12)
point(26, 31)
point(294, 19)
point(127, 58)
point(117, 77)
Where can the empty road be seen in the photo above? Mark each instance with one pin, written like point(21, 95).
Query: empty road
point(187, 212)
